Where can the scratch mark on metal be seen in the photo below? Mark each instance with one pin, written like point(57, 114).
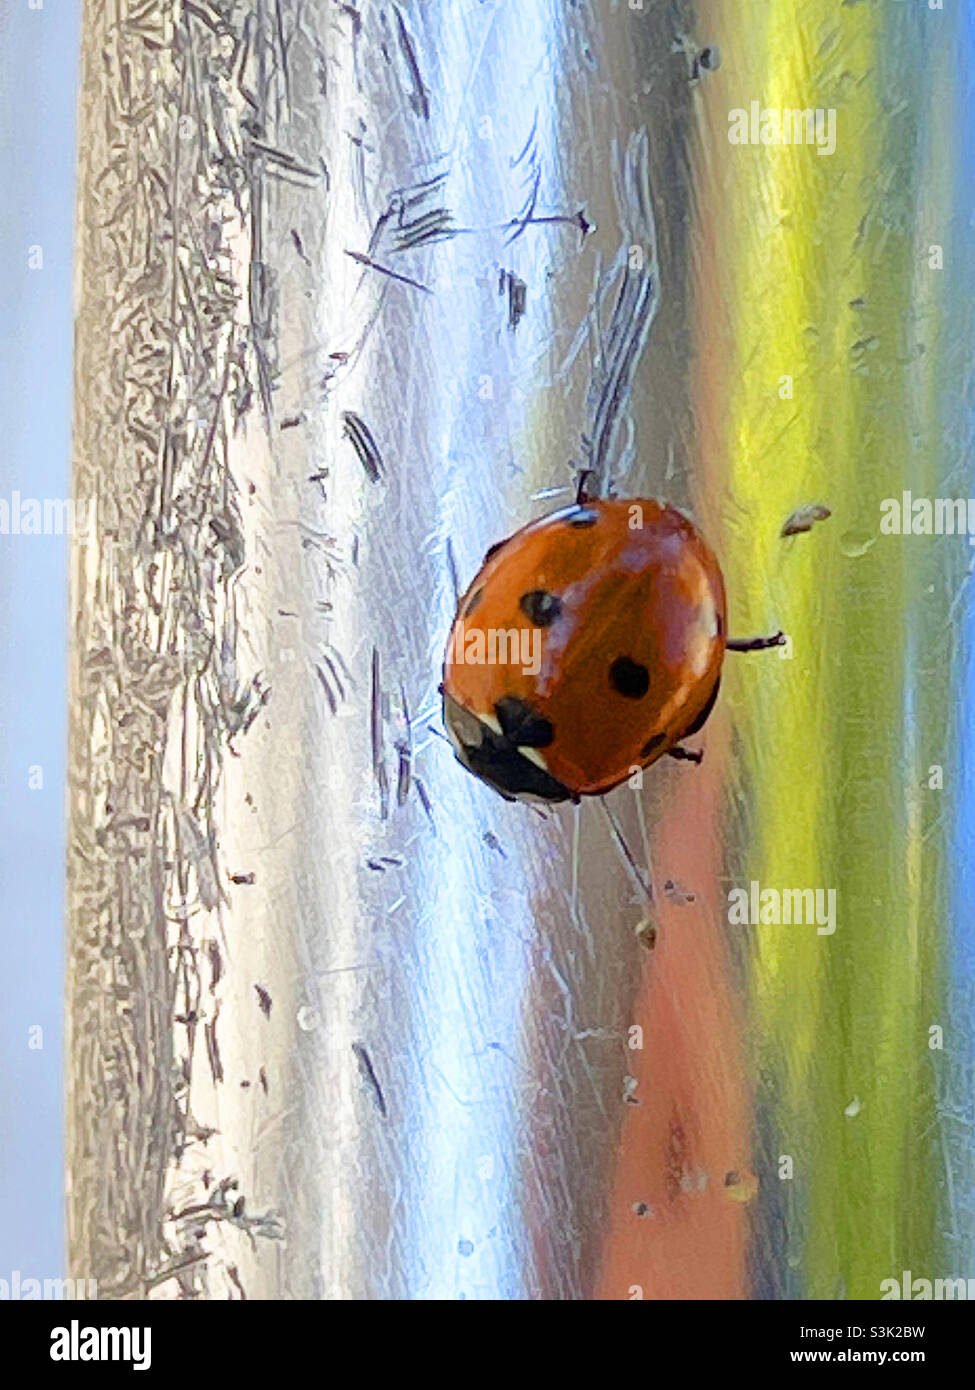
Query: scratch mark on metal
point(368, 1073)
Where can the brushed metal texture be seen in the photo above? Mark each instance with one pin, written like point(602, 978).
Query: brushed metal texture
point(360, 288)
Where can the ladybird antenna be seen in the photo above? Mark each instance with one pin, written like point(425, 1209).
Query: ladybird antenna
point(642, 882)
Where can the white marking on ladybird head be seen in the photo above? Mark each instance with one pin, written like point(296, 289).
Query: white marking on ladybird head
point(533, 756)
point(491, 721)
point(463, 728)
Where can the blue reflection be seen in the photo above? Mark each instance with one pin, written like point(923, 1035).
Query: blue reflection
point(475, 937)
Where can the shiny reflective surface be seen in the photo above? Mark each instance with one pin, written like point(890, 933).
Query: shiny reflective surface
point(344, 1024)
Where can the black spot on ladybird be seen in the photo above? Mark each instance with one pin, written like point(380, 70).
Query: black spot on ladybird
point(652, 744)
point(540, 607)
point(522, 725)
point(629, 678)
point(473, 601)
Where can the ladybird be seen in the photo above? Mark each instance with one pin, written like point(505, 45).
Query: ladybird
point(589, 644)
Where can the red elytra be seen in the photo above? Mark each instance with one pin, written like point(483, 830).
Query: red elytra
point(589, 644)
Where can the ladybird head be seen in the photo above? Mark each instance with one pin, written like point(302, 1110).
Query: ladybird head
point(501, 749)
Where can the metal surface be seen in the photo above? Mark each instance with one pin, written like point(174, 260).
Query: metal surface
point(359, 289)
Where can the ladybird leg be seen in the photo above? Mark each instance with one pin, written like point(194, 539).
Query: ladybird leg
point(686, 755)
point(582, 491)
point(755, 644)
point(644, 881)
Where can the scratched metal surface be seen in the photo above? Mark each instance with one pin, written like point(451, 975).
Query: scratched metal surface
point(359, 289)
